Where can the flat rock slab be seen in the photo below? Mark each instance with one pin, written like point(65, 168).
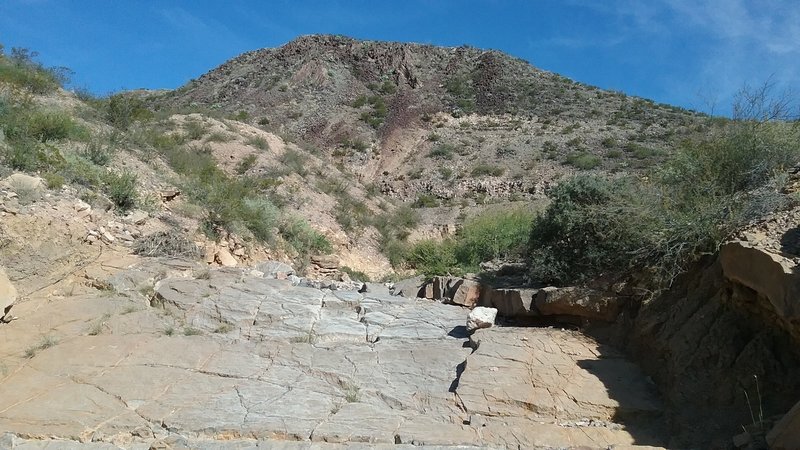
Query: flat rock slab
point(233, 360)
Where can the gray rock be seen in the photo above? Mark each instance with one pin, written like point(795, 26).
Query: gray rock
point(481, 317)
point(275, 269)
point(410, 287)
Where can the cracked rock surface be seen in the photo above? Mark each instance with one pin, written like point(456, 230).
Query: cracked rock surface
point(232, 360)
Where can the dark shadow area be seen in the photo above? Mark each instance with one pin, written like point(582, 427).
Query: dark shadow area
point(640, 410)
point(459, 332)
point(459, 370)
point(790, 242)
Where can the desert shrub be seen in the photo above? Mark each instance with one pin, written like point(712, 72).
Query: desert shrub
point(608, 142)
point(166, 243)
point(360, 101)
point(442, 151)
point(394, 227)
point(21, 69)
point(121, 189)
point(54, 181)
point(101, 150)
point(433, 257)
point(709, 187)
point(356, 275)
point(50, 125)
point(482, 170)
point(351, 214)
point(122, 110)
point(294, 161)
point(425, 201)
point(258, 142)
point(583, 160)
point(195, 129)
point(377, 114)
point(219, 136)
point(493, 234)
point(306, 240)
point(247, 163)
point(388, 88)
point(639, 151)
point(591, 226)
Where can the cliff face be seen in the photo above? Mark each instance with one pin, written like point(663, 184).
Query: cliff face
point(724, 345)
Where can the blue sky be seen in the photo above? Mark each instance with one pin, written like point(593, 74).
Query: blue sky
point(692, 53)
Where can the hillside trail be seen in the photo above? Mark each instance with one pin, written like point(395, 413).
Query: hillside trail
point(110, 350)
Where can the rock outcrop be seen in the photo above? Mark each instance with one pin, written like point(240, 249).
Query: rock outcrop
point(8, 295)
point(232, 360)
point(719, 348)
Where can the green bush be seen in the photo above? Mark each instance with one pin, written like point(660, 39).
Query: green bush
point(433, 257)
point(100, 151)
point(493, 234)
point(299, 234)
point(583, 160)
point(442, 151)
point(258, 142)
point(708, 188)
point(121, 189)
point(21, 69)
point(482, 170)
point(122, 110)
point(247, 163)
point(356, 275)
point(425, 201)
point(294, 161)
point(50, 126)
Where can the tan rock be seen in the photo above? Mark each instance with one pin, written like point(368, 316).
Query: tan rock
point(785, 435)
point(325, 262)
point(224, 258)
point(769, 274)
point(21, 181)
point(467, 293)
point(211, 253)
point(8, 295)
point(574, 301)
point(510, 302)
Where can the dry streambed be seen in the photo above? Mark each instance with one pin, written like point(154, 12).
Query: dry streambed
point(230, 359)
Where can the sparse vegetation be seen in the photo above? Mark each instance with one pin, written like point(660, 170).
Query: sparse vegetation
point(495, 234)
point(442, 151)
point(482, 170)
point(258, 142)
point(166, 243)
point(246, 163)
point(583, 160)
point(45, 342)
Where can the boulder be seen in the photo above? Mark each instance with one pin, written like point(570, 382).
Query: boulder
point(275, 269)
point(224, 258)
point(466, 293)
point(329, 262)
point(511, 302)
point(772, 276)
point(785, 435)
point(576, 301)
point(481, 317)
point(8, 295)
point(20, 181)
point(410, 287)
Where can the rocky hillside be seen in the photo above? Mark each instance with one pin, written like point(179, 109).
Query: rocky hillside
point(459, 124)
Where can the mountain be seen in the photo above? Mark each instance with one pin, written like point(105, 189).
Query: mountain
point(453, 123)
